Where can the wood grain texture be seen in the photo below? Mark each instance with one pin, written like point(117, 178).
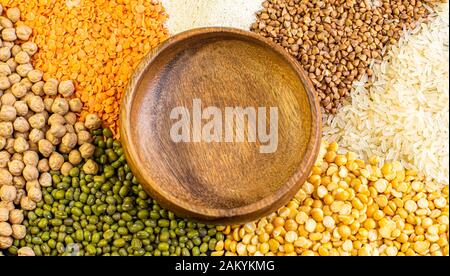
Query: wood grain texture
point(219, 182)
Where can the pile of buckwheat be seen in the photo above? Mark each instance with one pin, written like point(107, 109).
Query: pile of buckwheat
point(335, 40)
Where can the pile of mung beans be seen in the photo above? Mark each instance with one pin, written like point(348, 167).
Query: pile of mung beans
point(99, 208)
point(350, 208)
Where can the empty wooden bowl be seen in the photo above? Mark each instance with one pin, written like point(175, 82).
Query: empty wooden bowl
point(220, 180)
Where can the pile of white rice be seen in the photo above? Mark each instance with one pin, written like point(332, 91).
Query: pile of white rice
point(190, 14)
point(405, 113)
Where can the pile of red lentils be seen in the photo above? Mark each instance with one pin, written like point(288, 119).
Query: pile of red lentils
point(95, 43)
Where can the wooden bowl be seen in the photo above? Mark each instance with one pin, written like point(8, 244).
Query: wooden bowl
point(220, 182)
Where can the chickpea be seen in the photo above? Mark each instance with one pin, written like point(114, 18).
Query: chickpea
point(30, 173)
point(37, 120)
point(51, 87)
point(16, 167)
point(4, 83)
point(69, 140)
point(45, 147)
point(16, 216)
point(23, 135)
point(34, 184)
point(12, 65)
point(75, 105)
point(71, 118)
point(23, 32)
point(36, 135)
point(10, 145)
point(4, 214)
point(36, 104)
point(8, 99)
point(92, 122)
point(75, 157)
point(56, 119)
point(4, 159)
point(43, 165)
point(30, 158)
point(30, 47)
point(17, 156)
point(35, 193)
point(8, 193)
point(6, 129)
point(84, 137)
point(87, 150)
point(22, 58)
point(52, 138)
point(5, 54)
point(69, 128)
point(48, 104)
point(79, 126)
point(55, 161)
point(27, 84)
point(20, 193)
point(13, 14)
point(9, 34)
point(5, 229)
point(65, 168)
point(5, 22)
point(9, 44)
point(90, 167)
point(2, 142)
point(23, 69)
point(4, 69)
point(19, 90)
point(18, 231)
point(66, 88)
point(21, 108)
point(8, 205)
point(21, 145)
point(38, 88)
point(64, 149)
point(19, 182)
point(21, 125)
point(27, 204)
point(35, 75)
point(57, 130)
point(45, 179)
point(5, 242)
point(60, 106)
point(8, 113)
point(15, 50)
point(14, 78)
point(26, 251)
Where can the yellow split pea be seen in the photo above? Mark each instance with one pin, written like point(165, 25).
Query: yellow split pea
point(97, 43)
point(350, 207)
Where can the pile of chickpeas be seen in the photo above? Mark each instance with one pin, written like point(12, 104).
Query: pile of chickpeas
point(351, 208)
point(39, 132)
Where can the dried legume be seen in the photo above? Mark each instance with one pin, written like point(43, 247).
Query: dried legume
point(107, 213)
point(95, 43)
point(28, 131)
point(349, 207)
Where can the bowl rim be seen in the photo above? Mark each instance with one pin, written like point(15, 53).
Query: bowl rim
point(215, 215)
